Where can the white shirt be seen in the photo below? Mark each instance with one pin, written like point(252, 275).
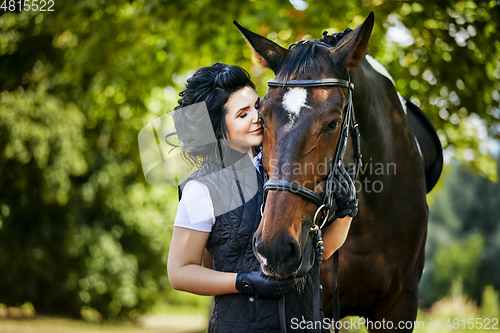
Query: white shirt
point(195, 210)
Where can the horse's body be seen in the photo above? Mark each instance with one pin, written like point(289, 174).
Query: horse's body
point(382, 259)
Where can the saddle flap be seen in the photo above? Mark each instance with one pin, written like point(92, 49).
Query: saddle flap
point(428, 141)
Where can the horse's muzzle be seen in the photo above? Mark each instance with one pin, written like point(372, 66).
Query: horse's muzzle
point(280, 258)
point(283, 257)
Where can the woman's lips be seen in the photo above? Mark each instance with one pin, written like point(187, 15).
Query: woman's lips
point(257, 131)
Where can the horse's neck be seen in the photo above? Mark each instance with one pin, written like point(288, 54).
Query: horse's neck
point(374, 104)
point(386, 142)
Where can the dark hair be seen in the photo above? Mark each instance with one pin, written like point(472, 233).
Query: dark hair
point(302, 58)
point(212, 85)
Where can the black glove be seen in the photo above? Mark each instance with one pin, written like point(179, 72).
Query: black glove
point(344, 193)
point(256, 283)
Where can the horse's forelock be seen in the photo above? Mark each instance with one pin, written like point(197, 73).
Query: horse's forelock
point(299, 62)
point(304, 58)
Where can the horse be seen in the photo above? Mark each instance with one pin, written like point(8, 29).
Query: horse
point(316, 83)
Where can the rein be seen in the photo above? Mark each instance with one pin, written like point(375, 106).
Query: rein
point(324, 201)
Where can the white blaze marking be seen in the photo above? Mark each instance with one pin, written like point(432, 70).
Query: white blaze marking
point(294, 100)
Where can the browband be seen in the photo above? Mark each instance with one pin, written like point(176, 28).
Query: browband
point(275, 83)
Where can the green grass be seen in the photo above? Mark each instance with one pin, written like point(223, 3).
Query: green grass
point(60, 325)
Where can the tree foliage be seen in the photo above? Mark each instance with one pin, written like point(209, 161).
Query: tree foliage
point(464, 237)
point(79, 226)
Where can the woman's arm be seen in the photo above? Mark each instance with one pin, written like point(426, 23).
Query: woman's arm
point(335, 235)
point(184, 266)
point(208, 259)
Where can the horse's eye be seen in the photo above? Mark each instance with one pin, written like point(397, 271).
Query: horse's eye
point(333, 125)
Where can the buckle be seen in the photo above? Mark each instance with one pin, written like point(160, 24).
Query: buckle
point(316, 215)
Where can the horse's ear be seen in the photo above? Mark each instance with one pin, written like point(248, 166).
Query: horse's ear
point(268, 53)
point(353, 46)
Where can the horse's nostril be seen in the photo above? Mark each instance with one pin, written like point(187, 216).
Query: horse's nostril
point(292, 250)
point(293, 254)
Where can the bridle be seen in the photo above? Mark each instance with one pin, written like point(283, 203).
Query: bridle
point(323, 201)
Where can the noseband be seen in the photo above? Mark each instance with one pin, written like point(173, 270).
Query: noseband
point(323, 201)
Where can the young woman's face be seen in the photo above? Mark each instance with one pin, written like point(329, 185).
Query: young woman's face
point(242, 120)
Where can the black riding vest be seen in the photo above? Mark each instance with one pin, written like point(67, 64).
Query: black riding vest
point(230, 243)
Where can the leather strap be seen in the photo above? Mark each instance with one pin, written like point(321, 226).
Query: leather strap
point(318, 252)
point(275, 83)
point(292, 187)
point(336, 305)
point(281, 311)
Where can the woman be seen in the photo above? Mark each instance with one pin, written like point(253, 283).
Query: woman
point(245, 298)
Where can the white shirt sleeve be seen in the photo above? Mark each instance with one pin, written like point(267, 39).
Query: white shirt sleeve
point(195, 210)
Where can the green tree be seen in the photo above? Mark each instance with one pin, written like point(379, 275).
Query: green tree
point(463, 237)
point(459, 261)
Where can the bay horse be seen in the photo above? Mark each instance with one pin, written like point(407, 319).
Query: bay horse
point(382, 260)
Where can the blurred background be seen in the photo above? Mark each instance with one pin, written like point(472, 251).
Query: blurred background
point(83, 236)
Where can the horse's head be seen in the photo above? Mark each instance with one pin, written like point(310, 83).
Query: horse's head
point(302, 127)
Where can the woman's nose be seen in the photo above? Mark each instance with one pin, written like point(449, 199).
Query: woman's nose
point(256, 117)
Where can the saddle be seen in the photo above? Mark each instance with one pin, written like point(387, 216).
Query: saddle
point(428, 143)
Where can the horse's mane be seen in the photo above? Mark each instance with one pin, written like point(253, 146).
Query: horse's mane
point(302, 58)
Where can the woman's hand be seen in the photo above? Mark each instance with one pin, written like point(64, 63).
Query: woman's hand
point(256, 283)
point(344, 192)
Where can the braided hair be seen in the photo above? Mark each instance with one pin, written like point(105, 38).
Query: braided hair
point(333, 39)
